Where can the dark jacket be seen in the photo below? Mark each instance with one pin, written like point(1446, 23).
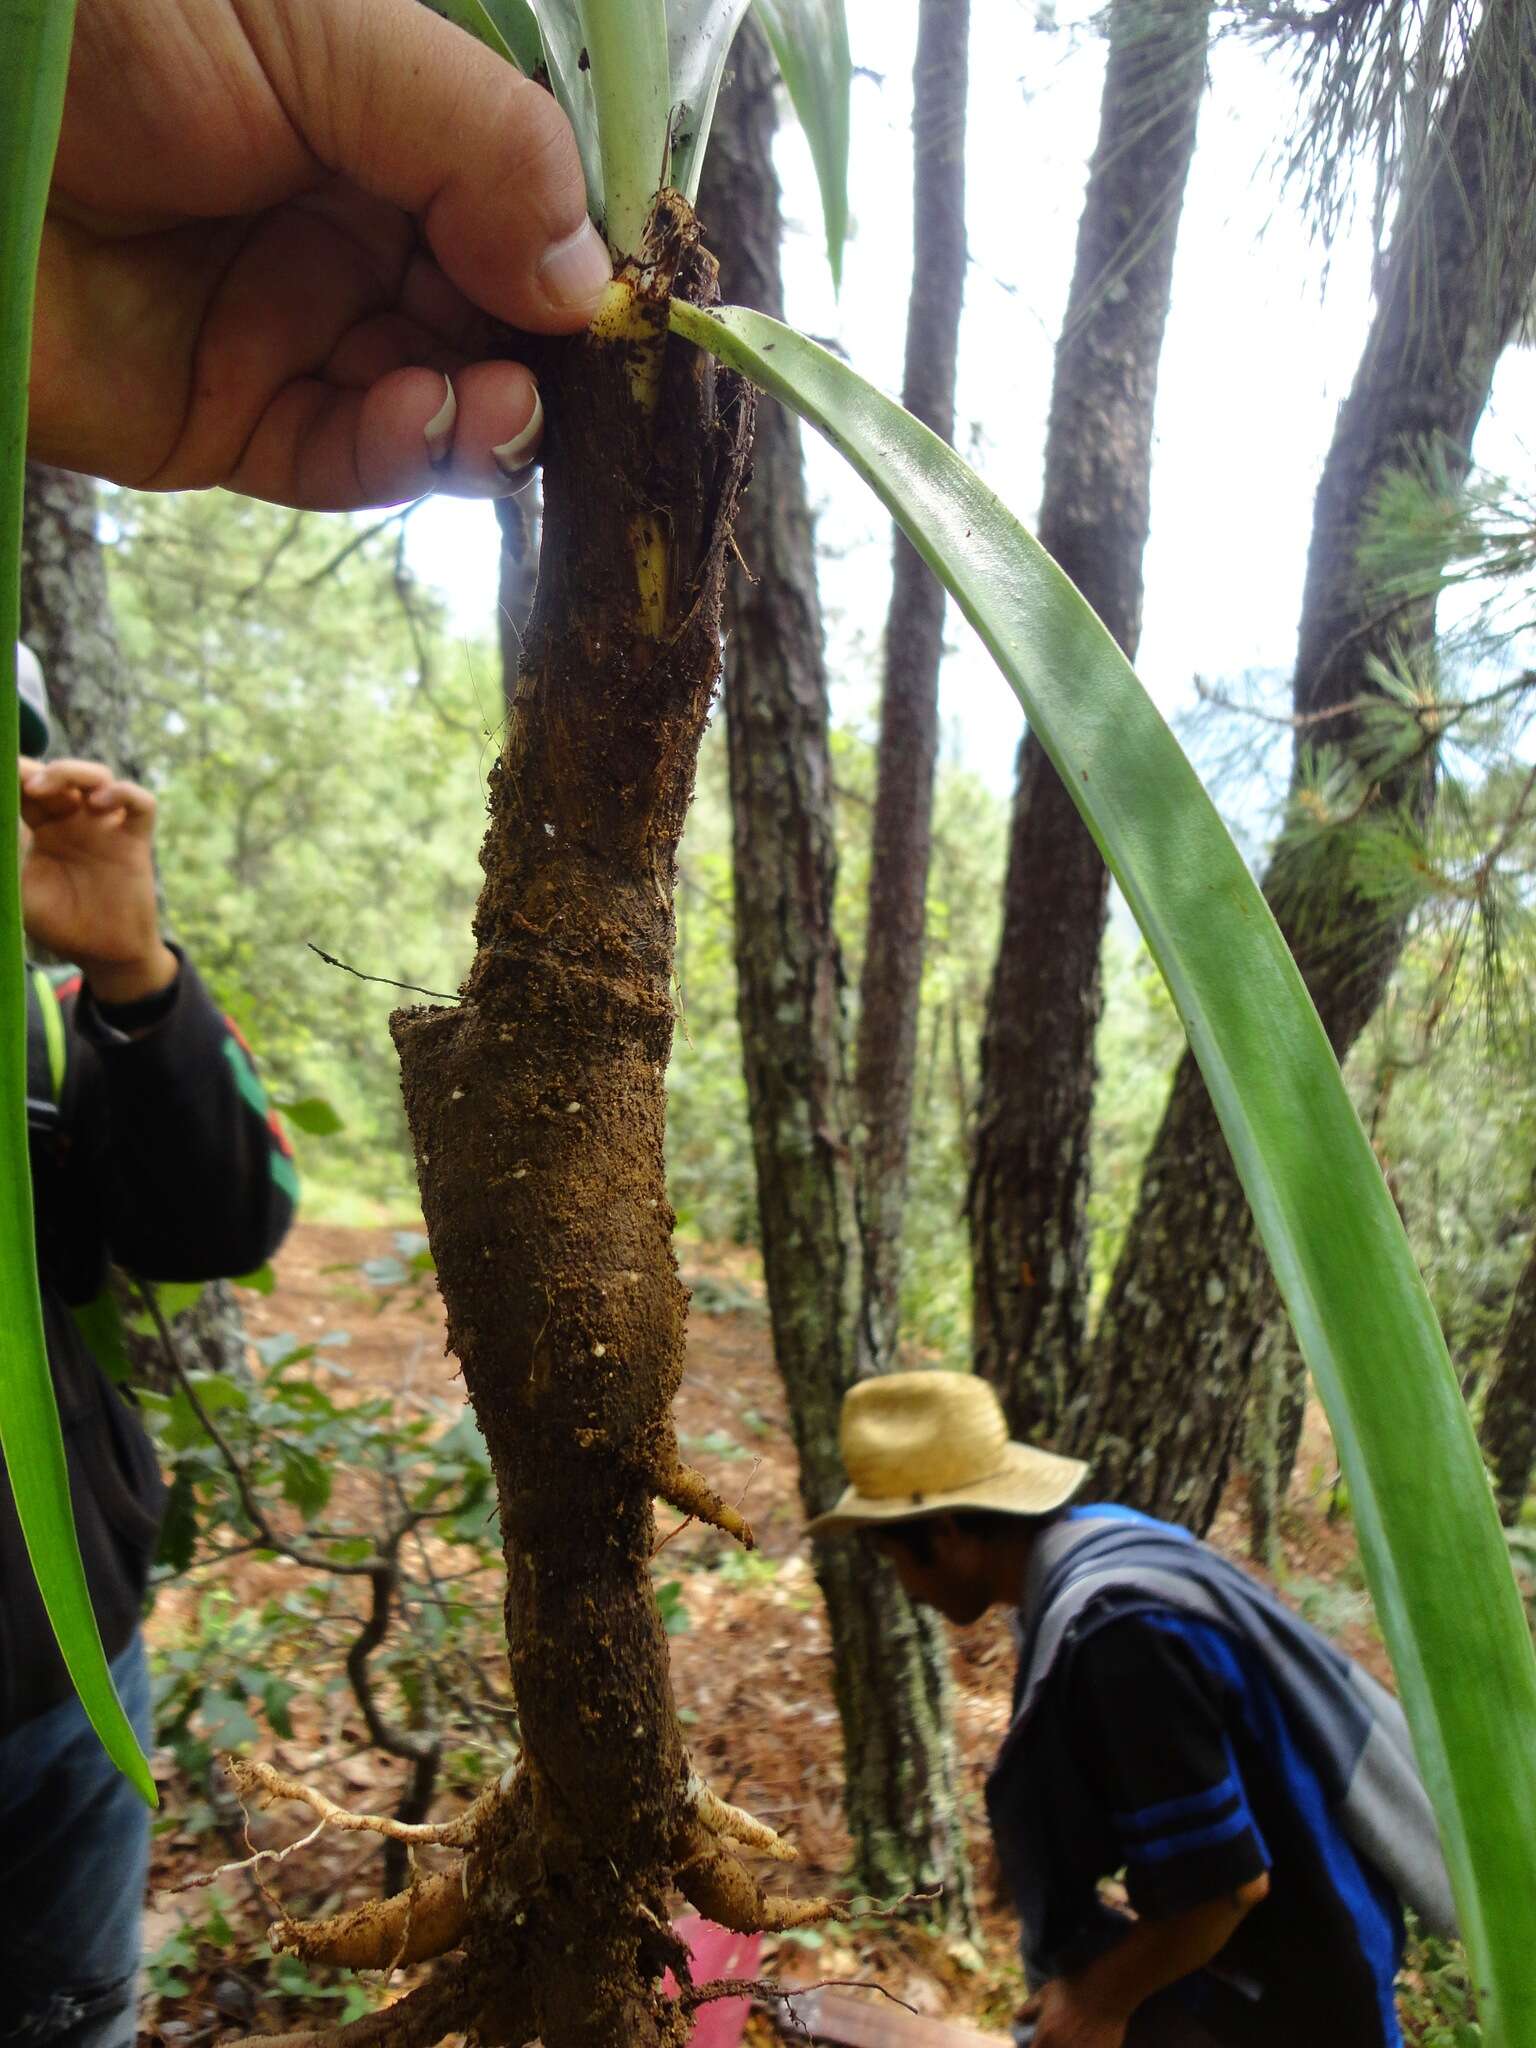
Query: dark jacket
point(161, 1156)
point(1173, 1719)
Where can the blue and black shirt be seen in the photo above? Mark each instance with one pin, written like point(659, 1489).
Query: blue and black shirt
point(1177, 1727)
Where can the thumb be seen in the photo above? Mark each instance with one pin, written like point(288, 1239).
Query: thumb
point(418, 113)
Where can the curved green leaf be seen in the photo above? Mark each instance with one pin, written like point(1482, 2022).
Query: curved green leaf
point(1436, 1558)
point(627, 50)
point(505, 26)
point(699, 38)
point(570, 78)
point(810, 43)
point(35, 35)
point(608, 65)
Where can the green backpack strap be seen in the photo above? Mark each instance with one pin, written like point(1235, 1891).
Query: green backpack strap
point(47, 1052)
point(53, 1032)
point(100, 1321)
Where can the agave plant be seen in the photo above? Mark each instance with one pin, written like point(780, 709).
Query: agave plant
point(536, 1104)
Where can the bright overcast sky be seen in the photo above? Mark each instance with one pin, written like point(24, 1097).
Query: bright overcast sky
point(1258, 357)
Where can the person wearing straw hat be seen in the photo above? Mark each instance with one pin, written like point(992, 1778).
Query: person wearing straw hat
point(1172, 1722)
point(150, 1145)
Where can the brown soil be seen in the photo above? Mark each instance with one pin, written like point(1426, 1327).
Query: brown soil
point(752, 1670)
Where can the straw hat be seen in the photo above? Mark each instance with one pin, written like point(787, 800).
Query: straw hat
point(927, 1443)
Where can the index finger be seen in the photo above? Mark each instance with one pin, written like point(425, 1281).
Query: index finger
point(44, 779)
point(417, 112)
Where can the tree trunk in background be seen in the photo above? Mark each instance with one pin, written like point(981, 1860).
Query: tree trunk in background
point(66, 619)
point(1029, 1187)
point(521, 520)
point(1509, 1418)
point(891, 983)
point(890, 1661)
point(1192, 1291)
point(1276, 1410)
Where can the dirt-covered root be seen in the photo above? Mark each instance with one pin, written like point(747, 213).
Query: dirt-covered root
point(425, 1920)
point(258, 1783)
point(725, 1891)
point(683, 1487)
point(734, 1823)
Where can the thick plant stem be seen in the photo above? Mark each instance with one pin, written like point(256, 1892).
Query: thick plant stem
point(890, 1661)
point(537, 1108)
point(1027, 1202)
point(890, 985)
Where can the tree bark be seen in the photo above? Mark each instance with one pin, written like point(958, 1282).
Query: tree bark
point(1509, 1417)
point(890, 1660)
point(1028, 1195)
point(537, 1106)
point(901, 832)
point(1277, 1407)
point(1193, 1291)
point(66, 619)
point(521, 520)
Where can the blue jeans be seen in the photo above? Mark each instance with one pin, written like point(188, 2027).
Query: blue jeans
point(74, 1861)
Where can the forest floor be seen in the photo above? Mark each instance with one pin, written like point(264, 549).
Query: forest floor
point(751, 1666)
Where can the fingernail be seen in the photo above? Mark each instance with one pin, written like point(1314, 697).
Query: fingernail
point(514, 456)
point(574, 271)
point(438, 432)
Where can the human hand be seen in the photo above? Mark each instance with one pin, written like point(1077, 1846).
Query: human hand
point(275, 226)
point(88, 878)
point(1064, 2016)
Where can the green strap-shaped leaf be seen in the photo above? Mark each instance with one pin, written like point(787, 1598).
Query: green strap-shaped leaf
point(699, 38)
point(810, 42)
point(608, 67)
point(632, 88)
point(1436, 1559)
point(505, 26)
point(570, 79)
point(34, 35)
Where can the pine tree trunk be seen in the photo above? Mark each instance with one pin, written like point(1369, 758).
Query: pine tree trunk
point(901, 837)
point(66, 619)
point(1028, 1195)
point(521, 520)
point(1509, 1417)
point(1277, 1403)
point(537, 1107)
point(890, 1661)
point(1192, 1291)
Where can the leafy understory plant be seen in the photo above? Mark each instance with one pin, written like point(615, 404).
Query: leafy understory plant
point(536, 1107)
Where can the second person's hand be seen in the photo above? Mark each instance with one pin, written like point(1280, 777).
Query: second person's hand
point(88, 876)
point(1064, 2016)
